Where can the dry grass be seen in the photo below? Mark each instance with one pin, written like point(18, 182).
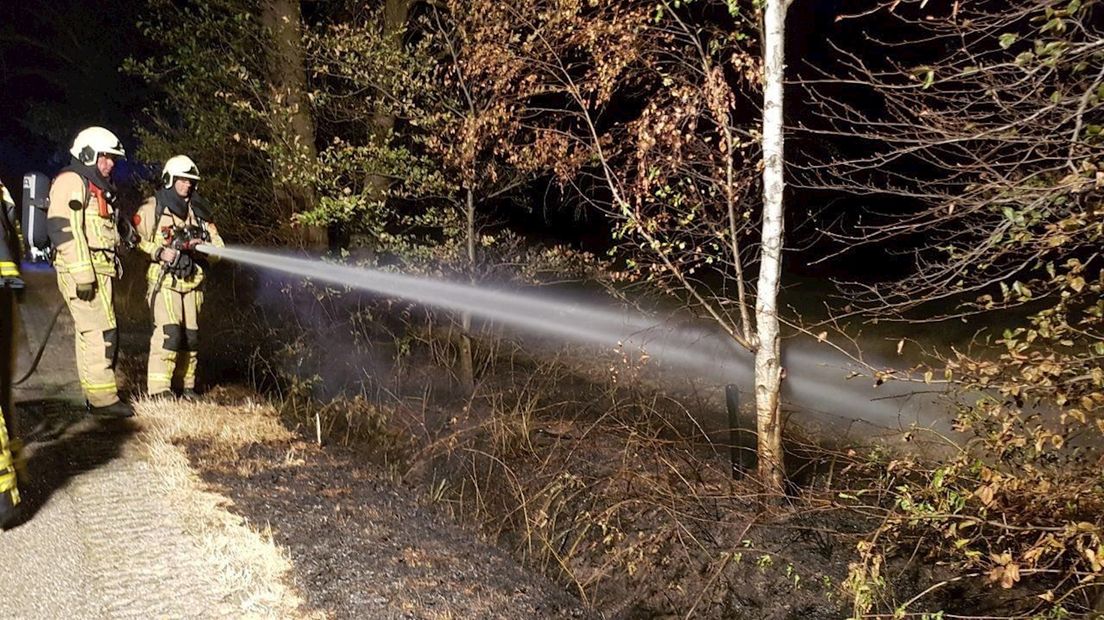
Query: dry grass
point(252, 570)
point(616, 492)
point(591, 477)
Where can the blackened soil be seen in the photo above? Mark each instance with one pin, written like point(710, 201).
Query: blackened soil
point(363, 548)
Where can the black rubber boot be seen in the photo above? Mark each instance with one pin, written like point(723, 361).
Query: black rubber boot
point(115, 410)
point(9, 508)
point(190, 395)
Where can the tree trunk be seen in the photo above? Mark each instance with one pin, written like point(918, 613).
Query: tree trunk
point(293, 127)
point(394, 17)
point(467, 369)
point(768, 363)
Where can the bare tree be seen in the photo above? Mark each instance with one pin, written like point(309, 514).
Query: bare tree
point(973, 133)
point(465, 123)
point(678, 175)
point(768, 358)
point(970, 129)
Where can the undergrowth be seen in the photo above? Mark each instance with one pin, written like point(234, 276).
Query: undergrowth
point(624, 493)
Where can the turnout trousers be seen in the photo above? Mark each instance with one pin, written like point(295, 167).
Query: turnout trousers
point(174, 345)
point(96, 339)
point(9, 492)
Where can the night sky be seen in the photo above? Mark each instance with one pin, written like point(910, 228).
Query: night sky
point(59, 72)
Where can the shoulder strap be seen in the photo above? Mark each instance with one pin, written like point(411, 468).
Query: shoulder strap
point(200, 209)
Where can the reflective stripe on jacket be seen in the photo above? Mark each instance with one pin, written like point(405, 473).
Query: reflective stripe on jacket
point(81, 225)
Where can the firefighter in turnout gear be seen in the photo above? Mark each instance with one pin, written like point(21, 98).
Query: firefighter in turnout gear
point(10, 284)
point(170, 225)
point(83, 227)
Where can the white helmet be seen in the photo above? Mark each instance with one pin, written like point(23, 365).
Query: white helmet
point(94, 141)
point(178, 167)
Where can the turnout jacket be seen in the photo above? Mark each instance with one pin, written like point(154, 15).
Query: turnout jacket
point(81, 223)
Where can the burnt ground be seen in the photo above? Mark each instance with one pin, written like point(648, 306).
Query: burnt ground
point(656, 529)
point(361, 547)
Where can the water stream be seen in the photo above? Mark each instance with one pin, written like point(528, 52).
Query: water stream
point(820, 381)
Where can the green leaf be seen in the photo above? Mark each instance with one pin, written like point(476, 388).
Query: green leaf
point(1007, 39)
point(937, 480)
point(1058, 25)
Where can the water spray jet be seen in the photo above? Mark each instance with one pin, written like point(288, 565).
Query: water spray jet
point(817, 381)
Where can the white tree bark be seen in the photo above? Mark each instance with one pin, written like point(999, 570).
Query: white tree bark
point(768, 362)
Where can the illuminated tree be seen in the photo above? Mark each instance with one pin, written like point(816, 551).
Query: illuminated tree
point(243, 116)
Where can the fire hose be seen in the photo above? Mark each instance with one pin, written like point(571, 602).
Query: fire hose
point(41, 347)
point(184, 240)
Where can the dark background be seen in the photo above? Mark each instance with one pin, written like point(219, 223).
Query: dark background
point(61, 70)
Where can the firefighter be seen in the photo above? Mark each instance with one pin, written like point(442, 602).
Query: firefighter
point(10, 284)
point(82, 226)
point(170, 224)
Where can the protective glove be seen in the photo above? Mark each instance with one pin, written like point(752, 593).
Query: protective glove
point(165, 255)
point(184, 267)
point(86, 291)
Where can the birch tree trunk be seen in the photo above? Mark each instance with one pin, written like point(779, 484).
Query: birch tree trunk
point(292, 124)
point(768, 363)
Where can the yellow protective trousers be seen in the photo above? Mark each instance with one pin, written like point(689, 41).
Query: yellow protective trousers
point(174, 345)
point(9, 492)
point(96, 338)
